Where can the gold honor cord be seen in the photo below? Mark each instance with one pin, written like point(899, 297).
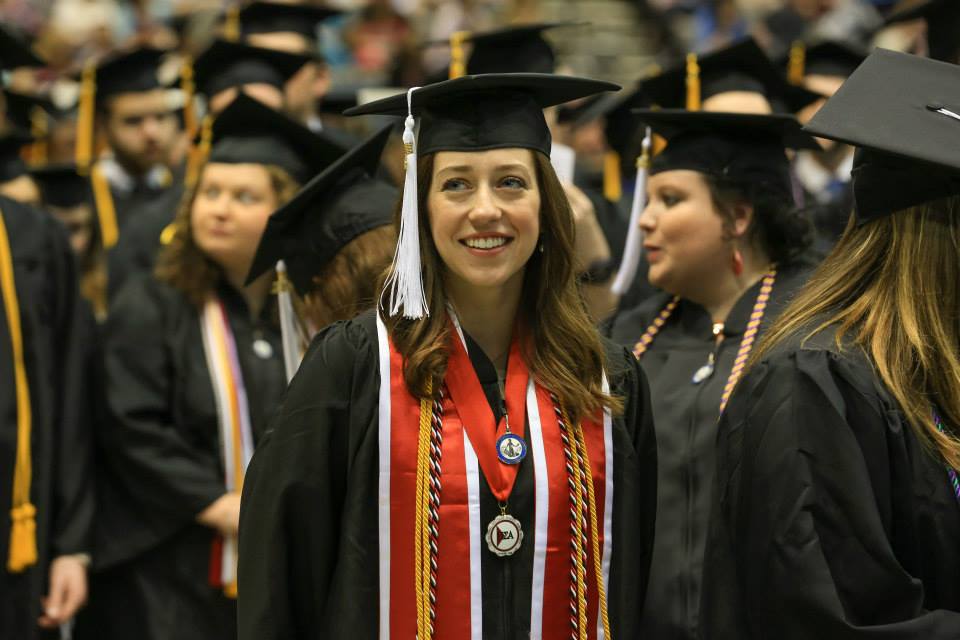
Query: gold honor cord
point(23, 533)
point(421, 532)
point(106, 213)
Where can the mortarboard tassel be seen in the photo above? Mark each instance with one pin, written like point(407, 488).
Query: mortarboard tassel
point(106, 212)
point(198, 154)
point(405, 283)
point(458, 59)
point(231, 24)
point(796, 66)
point(189, 89)
point(693, 83)
point(37, 152)
point(85, 115)
point(289, 333)
point(23, 530)
point(633, 247)
point(612, 182)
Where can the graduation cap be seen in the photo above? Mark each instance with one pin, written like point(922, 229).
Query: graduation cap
point(740, 148)
point(826, 58)
point(14, 51)
point(903, 114)
point(61, 185)
point(273, 17)
point(740, 67)
point(343, 202)
point(248, 131)
point(12, 143)
point(943, 26)
point(225, 64)
point(471, 113)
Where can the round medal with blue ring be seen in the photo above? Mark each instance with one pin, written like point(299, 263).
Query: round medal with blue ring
point(511, 448)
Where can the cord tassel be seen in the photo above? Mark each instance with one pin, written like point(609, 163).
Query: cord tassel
point(633, 248)
point(796, 66)
point(85, 116)
point(458, 59)
point(612, 187)
point(693, 83)
point(289, 334)
point(405, 282)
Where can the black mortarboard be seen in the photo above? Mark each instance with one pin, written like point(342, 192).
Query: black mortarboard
point(943, 26)
point(475, 113)
point(11, 160)
point(20, 108)
point(129, 72)
point(332, 209)
point(830, 58)
point(513, 49)
point(903, 114)
point(232, 64)
point(14, 52)
point(248, 131)
point(272, 17)
point(739, 148)
point(740, 67)
point(61, 185)
point(470, 113)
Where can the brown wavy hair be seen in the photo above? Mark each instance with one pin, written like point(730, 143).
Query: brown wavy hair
point(182, 264)
point(564, 353)
point(893, 286)
point(346, 286)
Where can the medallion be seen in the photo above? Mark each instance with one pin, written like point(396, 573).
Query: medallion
point(511, 449)
point(262, 349)
point(703, 373)
point(504, 535)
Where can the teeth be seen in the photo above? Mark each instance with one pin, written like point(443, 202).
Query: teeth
point(485, 243)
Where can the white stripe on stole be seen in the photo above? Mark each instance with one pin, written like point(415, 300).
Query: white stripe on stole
point(473, 508)
point(541, 485)
point(383, 508)
point(607, 503)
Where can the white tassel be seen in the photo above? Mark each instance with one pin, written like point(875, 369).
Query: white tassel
point(289, 332)
point(405, 284)
point(633, 248)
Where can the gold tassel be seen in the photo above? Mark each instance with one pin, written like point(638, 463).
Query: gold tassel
point(612, 184)
point(106, 213)
point(37, 152)
point(200, 151)
point(230, 589)
point(23, 531)
point(231, 24)
point(85, 116)
point(458, 59)
point(693, 83)
point(796, 66)
point(189, 89)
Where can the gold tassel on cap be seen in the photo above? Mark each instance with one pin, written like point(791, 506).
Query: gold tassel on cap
point(23, 532)
point(231, 24)
point(198, 154)
point(458, 59)
point(693, 83)
point(796, 66)
point(37, 152)
point(612, 186)
point(85, 115)
point(188, 87)
point(106, 213)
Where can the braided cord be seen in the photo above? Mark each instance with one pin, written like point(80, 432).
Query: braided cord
point(578, 586)
point(749, 336)
point(421, 521)
point(951, 472)
point(436, 453)
point(647, 338)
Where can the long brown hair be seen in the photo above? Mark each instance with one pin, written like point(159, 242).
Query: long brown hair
point(564, 352)
point(893, 286)
point(182, 264)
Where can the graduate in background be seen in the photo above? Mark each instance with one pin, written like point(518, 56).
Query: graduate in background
point(837, 507)
point(16, 182)
point(942, 21)
point(508, 447)
point(724, 241)
point(194, 368)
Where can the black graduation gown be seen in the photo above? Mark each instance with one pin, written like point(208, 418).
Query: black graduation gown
point(831, 519)
point(308, 524)
point(162, 462)
point(58, 334)
point(685, 415)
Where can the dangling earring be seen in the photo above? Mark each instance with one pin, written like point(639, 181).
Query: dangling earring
point(737, 262)
point(540, 245)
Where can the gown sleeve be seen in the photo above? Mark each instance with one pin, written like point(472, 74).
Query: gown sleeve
point(809, 456)
point(293, 508)
point(171, 479)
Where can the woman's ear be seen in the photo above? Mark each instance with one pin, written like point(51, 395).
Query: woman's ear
point(742, 217)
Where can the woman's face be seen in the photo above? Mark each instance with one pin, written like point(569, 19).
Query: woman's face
point(230, 212)
point(684, 237)
point(484, 209)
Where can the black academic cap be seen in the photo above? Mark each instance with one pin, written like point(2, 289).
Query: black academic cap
point(14, 51)
point(248, 131)
point(343, 202)
point(830, 58)
point(903, 114)
point(740, 67)
point(20, 107)
point(491, 111)
point(744, 149)
point(943, 26)
point(61, 185)
point(11, 161)
point(232, 64)
point(272, 17)
point(513, 49)
point(129, 72)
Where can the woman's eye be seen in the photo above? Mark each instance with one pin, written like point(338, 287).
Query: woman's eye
point(670, 199)
point(245, 197)
point(454, 184)
point(211, 193)
point(513, 182)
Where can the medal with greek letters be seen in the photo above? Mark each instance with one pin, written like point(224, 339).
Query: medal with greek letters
point(504, 534)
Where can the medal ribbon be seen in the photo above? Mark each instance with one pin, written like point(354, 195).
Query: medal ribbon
point(233, 415)
point(471, 401)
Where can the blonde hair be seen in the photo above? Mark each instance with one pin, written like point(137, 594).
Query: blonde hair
point(893, 286)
